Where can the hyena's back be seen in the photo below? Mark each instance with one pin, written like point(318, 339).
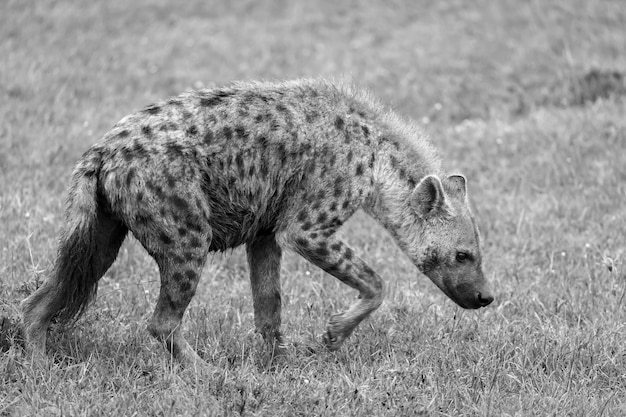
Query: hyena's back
point(220, 166)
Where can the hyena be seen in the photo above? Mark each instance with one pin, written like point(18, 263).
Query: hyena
point(270, 165)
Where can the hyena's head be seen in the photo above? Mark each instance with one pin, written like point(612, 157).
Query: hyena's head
point(447, 248)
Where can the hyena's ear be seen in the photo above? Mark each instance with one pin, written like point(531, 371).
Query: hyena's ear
point(429, 198)
point(455, 186)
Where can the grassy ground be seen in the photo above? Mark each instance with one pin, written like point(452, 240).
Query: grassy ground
point(499, 87)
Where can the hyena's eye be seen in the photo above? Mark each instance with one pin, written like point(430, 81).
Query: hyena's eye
point(462, 257)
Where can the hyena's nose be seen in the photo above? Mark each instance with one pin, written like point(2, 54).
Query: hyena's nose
point(484, 299)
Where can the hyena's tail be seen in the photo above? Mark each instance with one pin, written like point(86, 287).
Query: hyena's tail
point(89, 243)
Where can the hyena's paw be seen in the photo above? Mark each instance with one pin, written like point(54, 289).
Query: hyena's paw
point(335, 333)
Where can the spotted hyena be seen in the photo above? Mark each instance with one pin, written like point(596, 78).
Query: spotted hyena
point(270, 165)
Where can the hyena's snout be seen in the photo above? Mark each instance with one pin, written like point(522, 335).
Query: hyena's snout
point(473, 296)
point(484, 298)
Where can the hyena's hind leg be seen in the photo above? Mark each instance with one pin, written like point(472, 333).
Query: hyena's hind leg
point(264, 256)
point(180, 267)
point(81, 261)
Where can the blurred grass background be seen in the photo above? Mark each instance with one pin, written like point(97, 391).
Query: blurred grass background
point(524, 97)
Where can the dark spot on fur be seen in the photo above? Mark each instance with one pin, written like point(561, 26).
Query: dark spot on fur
point(185, 286)
point(333, 206)
point(258, 118)
point(127, 154)
point(165, 238)
point(208, 136)
point(191, 275)
point(140, 196)
point(336, 246)
point(274, 125)
point(371, 162)
point(210, 101)
point(281, 108)
point(331, 159)
point(175, 148)
point(182, 231)
point(177, 276)
point(227, 132)
point(431, 262)
point(240, 165)
point(303, 216)
point(158, 191)
point(338, 190)
point(307, 225)
point(175, 102)
point(192, 130)
point(170, 302)
point(402, 173)
point(178, 202)
point(322, 251)
point(350, 156)
point(322, 217)
point(366, 131)
point(144, 219)
point(213, 98)
point(262, 141)
point(196, 227)
point(281, 153)
point(264, 170)
point(251, 170)
point(348, 254)
point(139, 150)
point(240, 131)
point(153, 109)
point(168, 126)
point(339, 123)
point(394, 161)
point(195, 242)
point(123, 134)
point(316, 205)
point(321, 194)
point(311, 116)
point(171, 181)
point(313, 235)
point(336, 267)
point(302, 242)
point(336, 222)
point(147, 131)
point(130, 176)
point(359, 169)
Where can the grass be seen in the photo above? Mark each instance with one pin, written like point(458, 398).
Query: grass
point(498, 85)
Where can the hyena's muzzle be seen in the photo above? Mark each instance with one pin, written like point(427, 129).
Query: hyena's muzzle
point(469, 292)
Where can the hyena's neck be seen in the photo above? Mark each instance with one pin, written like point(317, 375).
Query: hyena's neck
point(404, 157)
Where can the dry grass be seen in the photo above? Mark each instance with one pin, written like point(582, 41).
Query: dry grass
point(495, 83)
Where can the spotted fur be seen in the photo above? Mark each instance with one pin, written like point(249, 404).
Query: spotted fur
point(270, 165)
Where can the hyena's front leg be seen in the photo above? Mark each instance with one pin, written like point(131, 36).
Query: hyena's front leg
point(339, 260)
point(264, 255)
